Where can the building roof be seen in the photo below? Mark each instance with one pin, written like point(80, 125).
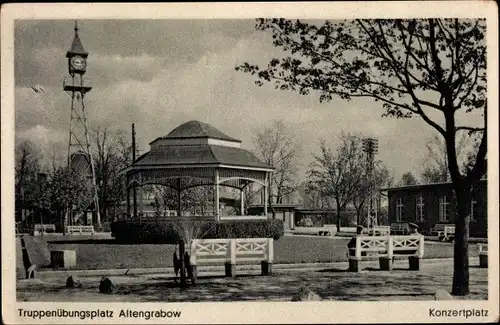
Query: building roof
point(275, 205)
point(77, 46)
point(197, 129)
point(202, 154)
point(397, 188)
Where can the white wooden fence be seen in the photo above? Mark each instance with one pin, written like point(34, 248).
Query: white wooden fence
point(232, 250)
point(80, 230)
point(379, 231)
point(387, 246)
point(443, 231)
point(223, 218)
point(400, 228)
point(44, 228)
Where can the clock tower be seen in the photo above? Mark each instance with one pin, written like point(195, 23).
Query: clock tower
point(77, 87)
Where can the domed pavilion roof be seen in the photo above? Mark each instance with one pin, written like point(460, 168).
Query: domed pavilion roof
point(197, 129)
point(196, 143)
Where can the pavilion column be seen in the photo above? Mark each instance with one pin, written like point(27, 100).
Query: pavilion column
point(141, 202)
point(216, 195)
point(140, 194)
point(134, 194)
point(242, 202)
point(128, 202)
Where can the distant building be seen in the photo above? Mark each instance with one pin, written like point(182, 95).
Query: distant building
point(284, 212)
point(430, 204)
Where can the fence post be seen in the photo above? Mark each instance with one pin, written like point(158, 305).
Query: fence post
point(358, 248)
point(192, 258)
point(386, 261)
point(231, 265)
point(390, 247)
point(421, 247)
point(271, 250)
point(354, 262)
point(483, 256)
point(266, 266)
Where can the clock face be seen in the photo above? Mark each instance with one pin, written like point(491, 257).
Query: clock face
point(78, 62)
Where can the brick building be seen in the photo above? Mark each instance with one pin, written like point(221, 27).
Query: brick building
point(429, 204)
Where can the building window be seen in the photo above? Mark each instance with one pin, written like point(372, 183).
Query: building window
point(399, 209)
point(420, 209)
point(443, 208)
point(473, 204)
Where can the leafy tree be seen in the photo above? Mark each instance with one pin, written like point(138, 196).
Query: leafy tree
point(412, 67)
point(338, 174)
point(69, 187)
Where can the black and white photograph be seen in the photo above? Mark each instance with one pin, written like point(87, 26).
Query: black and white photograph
point(289, 158)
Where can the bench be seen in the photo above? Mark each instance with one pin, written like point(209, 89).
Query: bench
point(324, 233)
point(232, 251)
point(444, 232)
point(379, 231)
point(41, 229)
point(80, 230)
point(385, 248)
point(400, 228)
point(483, 255)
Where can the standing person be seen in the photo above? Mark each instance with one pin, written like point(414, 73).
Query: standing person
point(352, 242)
point(413, 228)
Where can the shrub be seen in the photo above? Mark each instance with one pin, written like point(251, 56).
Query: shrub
point(164, 231)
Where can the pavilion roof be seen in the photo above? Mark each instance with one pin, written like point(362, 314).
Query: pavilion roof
point(202, 154)
point(197, 129)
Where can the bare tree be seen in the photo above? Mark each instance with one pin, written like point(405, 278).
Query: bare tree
point(110, 156)
point(277, 147)
point(412, 66)
point(436, 160)
point(408, 179)
point(28, 160)
point(338, 174)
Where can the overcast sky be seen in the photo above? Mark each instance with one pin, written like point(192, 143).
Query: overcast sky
point(161, 73)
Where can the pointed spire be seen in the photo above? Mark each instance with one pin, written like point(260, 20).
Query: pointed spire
point(77, 46)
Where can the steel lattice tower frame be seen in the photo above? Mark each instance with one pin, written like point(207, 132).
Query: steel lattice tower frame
point(79, 141)
point(370, 147)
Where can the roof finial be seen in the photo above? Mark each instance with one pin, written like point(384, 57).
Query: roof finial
point(76, 26)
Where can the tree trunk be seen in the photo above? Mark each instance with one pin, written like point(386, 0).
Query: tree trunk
point(338, 217)
point(460, 285)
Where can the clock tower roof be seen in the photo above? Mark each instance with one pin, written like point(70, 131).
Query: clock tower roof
point(77, 46)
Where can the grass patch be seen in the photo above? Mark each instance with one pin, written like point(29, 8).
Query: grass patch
point(107, 254)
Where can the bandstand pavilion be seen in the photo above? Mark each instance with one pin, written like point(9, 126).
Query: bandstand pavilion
point(197, 154)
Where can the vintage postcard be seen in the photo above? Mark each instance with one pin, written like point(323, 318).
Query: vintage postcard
point(250, 163)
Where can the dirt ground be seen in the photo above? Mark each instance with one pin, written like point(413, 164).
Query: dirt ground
point(330, 284)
